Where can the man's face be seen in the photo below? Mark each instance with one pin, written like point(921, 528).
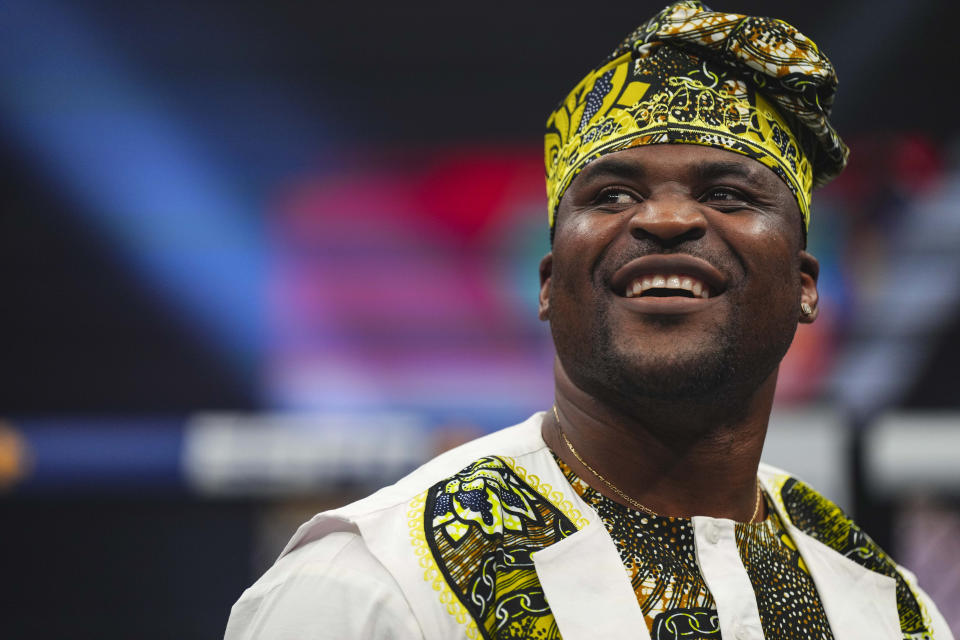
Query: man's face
point(677, 272)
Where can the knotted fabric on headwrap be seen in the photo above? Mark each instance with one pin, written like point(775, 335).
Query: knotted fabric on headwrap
point(755, 86)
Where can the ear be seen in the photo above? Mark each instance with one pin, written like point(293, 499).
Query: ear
point(546, 270)
point(809, 272)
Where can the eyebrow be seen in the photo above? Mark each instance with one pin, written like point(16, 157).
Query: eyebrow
point(611, 166)
point(708, 171)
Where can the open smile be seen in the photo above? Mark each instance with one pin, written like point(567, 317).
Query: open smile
point(668, 283)
point(665, 286)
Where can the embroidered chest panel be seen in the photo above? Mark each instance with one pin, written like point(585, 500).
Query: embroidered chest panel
point(481, 525)
point(660, 556)
point(475, 531)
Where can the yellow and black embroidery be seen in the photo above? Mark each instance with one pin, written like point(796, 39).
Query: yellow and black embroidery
point(660, 557)
point(822, 519)
point(481, 526)
point(787, 599)
point(700, 623)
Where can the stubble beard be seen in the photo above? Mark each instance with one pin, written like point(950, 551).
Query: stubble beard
point(716, 369)
point(688, 372)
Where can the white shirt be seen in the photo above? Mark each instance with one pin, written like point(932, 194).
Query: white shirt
point(362, 572)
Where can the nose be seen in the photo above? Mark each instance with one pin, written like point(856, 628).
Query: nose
point(668, 220)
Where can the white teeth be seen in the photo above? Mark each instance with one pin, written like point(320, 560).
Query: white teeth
point(672, 281)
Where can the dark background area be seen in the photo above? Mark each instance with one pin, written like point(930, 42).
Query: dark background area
point(81, 333)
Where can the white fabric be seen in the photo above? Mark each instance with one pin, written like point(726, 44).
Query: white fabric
point(587, 586)
point(353, 572)
point(332, 589)
point(857, 602)
point(726, 578)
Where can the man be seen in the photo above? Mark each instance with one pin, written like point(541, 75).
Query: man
point(679, 175)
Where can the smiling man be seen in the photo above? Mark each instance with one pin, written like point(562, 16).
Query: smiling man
point(679, 177)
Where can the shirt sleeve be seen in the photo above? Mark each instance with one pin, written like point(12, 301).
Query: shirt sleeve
point(332, 588)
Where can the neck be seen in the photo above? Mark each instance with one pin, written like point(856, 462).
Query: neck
point(679, 458)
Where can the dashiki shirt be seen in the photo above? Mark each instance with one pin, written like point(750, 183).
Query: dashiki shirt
point(660, 558)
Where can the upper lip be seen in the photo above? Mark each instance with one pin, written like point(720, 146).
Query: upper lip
point(673, 264)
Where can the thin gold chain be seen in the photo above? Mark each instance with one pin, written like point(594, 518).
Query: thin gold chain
point(633, 503)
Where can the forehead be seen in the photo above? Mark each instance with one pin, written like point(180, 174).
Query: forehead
point(681, 162)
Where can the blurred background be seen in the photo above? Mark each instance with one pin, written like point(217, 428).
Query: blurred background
point(257, 259)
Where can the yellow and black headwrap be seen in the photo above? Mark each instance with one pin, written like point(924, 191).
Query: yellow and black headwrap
point(755, 86)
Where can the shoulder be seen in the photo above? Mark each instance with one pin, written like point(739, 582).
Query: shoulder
point(517, 442)
point(815, 515)
point(331, 588)
point(383, 560)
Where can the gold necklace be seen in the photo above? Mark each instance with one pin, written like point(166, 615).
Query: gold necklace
point(633, 503)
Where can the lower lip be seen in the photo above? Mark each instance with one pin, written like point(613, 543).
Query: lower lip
point(671, 305)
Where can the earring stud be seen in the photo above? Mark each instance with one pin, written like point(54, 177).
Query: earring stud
point(806, 309)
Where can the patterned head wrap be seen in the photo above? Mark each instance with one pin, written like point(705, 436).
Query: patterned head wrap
point(755, 86)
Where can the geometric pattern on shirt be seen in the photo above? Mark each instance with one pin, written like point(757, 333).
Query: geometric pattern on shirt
point(660, 556)
point(787, 598)
point(481, 525)
point(820, 518)
point(687, 624)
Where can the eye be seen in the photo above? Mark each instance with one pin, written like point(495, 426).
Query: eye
point(616, 195)
point(724, 196)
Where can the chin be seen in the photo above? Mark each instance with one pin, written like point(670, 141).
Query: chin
point(703, 374)
point(717, 366)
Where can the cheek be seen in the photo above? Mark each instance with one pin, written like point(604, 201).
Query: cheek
point(577, 247)
point(770, 259)
point(586, 230)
